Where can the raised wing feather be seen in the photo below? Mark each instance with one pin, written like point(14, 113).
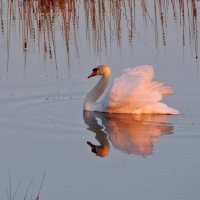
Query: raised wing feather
point(134, 90)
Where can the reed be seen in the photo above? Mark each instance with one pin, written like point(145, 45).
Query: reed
point(11, 194)
point(39, 22)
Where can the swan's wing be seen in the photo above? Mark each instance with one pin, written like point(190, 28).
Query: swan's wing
point(133, 90)
point(146, 71)
point(147, 74)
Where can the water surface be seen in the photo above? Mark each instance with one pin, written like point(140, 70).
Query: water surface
point(47, 49)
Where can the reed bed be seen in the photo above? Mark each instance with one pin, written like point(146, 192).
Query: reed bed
point(38, 23)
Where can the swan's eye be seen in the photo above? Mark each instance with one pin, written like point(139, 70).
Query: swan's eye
point(95, 69)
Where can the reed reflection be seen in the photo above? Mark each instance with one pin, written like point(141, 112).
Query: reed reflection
point(37, 23)
point(132, 134)
point(101, 22)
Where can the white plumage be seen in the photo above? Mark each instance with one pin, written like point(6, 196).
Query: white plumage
point(133, 92)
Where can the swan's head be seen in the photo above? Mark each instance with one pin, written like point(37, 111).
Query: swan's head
point(102, 70)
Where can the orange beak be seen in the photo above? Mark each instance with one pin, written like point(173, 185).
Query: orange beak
point(92, 74)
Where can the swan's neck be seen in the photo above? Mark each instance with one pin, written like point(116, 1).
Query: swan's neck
point(96, 92)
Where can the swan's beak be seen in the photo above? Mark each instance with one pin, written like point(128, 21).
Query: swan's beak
point(92, 74)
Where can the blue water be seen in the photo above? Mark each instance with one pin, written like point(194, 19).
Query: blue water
point(43, 129)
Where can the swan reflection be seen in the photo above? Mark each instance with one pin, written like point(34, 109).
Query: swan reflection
point(132, 134)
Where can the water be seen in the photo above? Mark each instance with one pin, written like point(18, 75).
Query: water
point(47, 50)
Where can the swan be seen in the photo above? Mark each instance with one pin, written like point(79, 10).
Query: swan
point(133, 92)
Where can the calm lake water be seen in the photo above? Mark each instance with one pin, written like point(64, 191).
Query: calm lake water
point(47, 50)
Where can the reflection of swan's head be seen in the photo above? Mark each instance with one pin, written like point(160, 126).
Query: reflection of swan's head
point(102, 70)
point(101, 151)
point(103, 148)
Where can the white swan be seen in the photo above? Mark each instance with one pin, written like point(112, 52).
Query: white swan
point(134, 92)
